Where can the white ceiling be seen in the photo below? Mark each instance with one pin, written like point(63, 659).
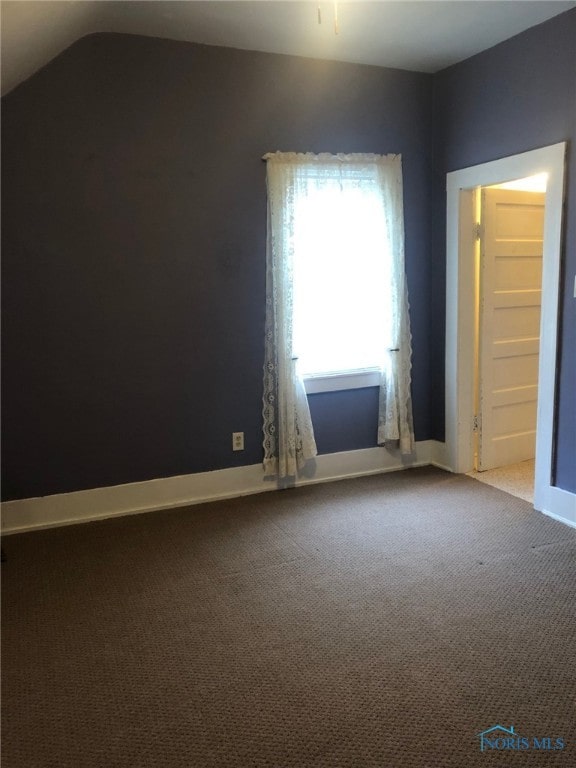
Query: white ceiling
point(420, 35)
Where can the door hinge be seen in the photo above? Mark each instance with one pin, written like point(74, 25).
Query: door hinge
point(478, 230)
point(476, 424)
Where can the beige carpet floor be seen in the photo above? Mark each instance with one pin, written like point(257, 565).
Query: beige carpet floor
point(381, 622)
point(517, 479)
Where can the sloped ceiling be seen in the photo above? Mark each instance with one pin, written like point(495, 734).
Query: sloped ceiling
point(423, 35)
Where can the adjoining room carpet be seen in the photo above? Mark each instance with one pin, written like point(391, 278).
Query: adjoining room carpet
point(369, 623)
point(517, 479)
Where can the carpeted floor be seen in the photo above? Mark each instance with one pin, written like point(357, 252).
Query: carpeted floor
point(370, 623)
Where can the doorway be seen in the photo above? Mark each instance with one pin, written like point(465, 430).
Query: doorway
point(461, 302)
point(509, 245)
point(508, 274)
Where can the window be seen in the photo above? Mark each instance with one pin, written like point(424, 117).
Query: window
point(342, 261)
point(336, 299)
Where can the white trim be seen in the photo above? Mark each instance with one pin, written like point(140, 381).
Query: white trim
point(185, 490)
point(561, 505)
point(459, 308)
point(334, 382)
point(438, 455)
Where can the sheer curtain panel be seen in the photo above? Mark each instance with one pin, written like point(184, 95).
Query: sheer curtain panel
point(288, 434)
point(332, 209)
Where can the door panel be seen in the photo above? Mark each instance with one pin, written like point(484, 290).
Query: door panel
point(512, 417)
point(513, 323)
point(518, 273)
point(510, 298)
point(512, 373)
point(515, 395)
point(517, 222)
point(513, 449)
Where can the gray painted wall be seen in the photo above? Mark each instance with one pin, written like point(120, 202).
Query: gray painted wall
point(134, 213)
point(134, 233)
point(518, 96)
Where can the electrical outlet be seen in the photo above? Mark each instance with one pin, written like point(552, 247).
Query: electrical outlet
point(237, 441)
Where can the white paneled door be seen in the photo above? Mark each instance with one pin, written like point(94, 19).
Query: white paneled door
point(509, 324)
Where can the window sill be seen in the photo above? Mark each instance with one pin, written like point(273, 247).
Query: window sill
point(333, 382)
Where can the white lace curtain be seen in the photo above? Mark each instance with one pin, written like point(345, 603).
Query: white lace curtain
point(288, 433)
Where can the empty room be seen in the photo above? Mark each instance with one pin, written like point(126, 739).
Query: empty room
point(288, 384)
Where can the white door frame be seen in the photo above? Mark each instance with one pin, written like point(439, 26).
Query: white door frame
point(460, 306)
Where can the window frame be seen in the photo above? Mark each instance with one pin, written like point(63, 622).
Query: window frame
point(314, 383)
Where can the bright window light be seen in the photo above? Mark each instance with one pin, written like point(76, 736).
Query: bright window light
point(341, 272)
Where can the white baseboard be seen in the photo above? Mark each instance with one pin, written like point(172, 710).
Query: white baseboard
point(439, 455)
point(561, 505)
point(184, 490)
